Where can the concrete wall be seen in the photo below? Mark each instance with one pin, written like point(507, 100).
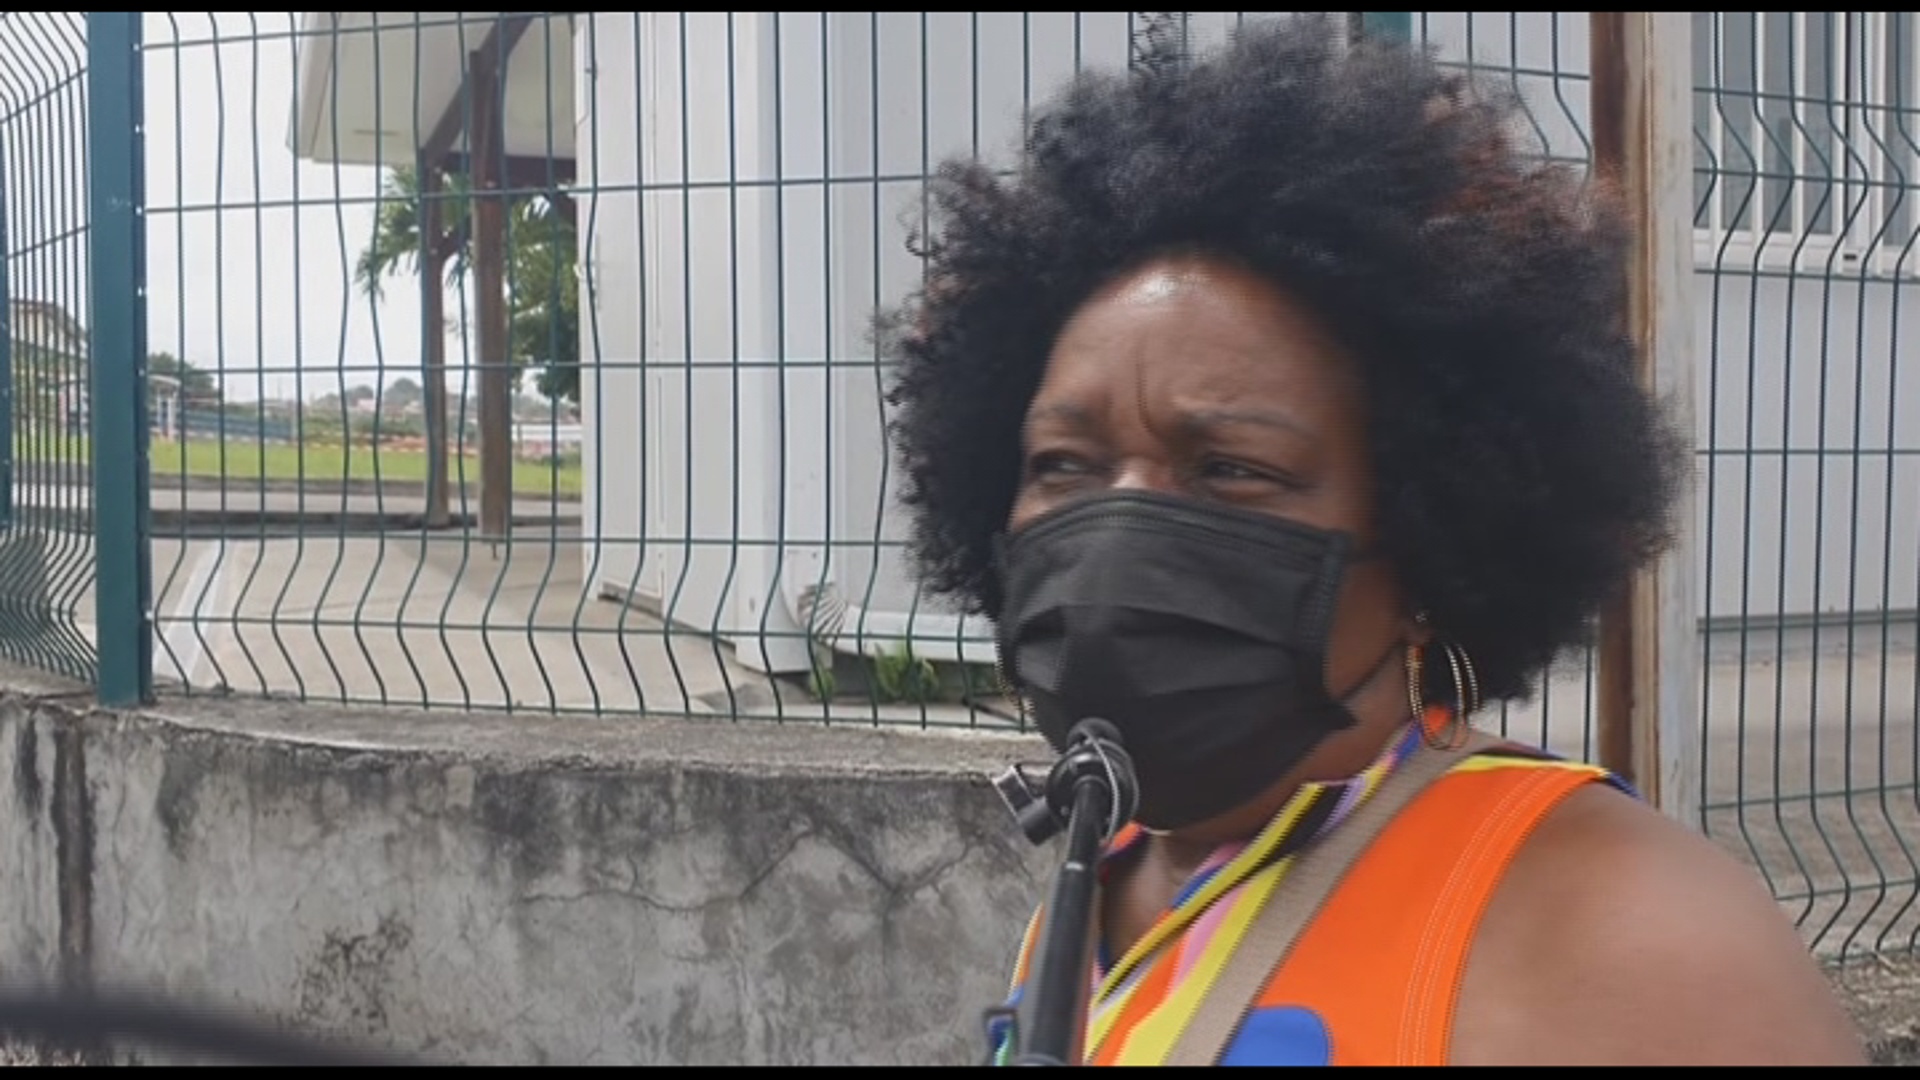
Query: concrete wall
point(530, 890)
point(519, 890)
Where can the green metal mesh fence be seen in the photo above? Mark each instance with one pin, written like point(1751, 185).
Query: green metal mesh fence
point(1808, 500)
point(620, 265)
point(699, 520)
point(46, 549)
point(1810, 484)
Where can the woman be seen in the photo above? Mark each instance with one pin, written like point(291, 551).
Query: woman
point(1280, 413)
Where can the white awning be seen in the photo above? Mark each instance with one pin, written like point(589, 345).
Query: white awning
point(372, 86)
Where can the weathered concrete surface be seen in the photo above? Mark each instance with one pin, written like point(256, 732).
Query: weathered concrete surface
point(1884, 996)
point(35, 839)
point(544, 890)
point(540, 891)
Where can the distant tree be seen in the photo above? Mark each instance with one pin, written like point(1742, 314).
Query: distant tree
point(196, 385)
point(402, 393)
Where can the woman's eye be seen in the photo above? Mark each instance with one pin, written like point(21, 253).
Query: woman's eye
point(1231, 470)
point(1055, 463)
point(1248, 478)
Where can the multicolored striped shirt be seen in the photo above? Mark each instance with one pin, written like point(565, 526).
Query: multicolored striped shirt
point(1141, 1001)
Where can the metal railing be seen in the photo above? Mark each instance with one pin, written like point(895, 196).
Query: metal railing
point(1808, 447)
point(522, 362)
point(46, 547)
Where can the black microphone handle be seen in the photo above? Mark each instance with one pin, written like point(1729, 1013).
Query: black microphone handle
point(1050, 1027)
point(1093, 786)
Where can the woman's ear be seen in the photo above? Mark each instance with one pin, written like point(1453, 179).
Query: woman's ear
point(1416, 629)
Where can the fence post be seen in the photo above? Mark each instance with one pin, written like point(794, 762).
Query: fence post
point(1649, 712)
point(1392, 25)
point(118, 391)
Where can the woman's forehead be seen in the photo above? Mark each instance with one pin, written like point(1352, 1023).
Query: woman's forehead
point(1205, 336)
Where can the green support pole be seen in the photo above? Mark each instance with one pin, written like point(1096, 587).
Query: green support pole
point(117, 331)
point(1393, 25)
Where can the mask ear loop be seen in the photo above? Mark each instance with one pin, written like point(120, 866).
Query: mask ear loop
point(1115, 819)
point(1022, 710)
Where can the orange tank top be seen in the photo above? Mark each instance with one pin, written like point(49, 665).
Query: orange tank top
point(1374, 978)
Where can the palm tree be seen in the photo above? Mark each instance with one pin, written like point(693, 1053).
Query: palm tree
point(396, 229)
point(542, 302)
point(544, 292)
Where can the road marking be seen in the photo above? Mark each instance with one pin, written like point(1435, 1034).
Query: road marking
point(202, 598)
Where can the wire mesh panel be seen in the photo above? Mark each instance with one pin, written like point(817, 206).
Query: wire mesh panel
point(1810, 459)
point(46, 548)
point(355, 501)
point(622, 267)
point(1808, 484)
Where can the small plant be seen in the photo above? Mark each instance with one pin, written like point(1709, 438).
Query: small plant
point(899, 675)
point(895, 675)
point(824, 685)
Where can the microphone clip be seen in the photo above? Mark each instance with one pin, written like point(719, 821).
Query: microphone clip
point(1094, 754)
point(1028, 805)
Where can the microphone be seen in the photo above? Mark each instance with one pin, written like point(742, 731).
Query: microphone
point(1095, 752)
point(1091, 792)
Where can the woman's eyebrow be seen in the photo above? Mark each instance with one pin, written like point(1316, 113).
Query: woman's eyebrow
point(1202, 420)
point(1063, 412)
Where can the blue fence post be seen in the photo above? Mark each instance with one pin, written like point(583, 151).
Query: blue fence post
point(1396, 25)
point(122, 506)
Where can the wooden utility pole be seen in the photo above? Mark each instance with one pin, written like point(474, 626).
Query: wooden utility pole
point(433, 345)
point(486, 155)
point(1649, 656)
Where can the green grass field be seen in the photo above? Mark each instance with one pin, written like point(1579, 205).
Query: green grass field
point(240, 461)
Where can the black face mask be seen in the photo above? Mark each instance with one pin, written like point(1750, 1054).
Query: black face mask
point(1200, 631)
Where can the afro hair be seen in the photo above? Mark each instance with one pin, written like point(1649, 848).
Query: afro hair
point(1523, 472)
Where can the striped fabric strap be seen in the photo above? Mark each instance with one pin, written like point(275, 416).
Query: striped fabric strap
point(1305, 889)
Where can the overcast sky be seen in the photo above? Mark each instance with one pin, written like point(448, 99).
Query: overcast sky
point(269, 277)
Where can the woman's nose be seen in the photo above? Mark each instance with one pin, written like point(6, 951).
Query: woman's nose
point(1147, 475)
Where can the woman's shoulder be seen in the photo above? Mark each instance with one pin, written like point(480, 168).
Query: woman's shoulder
point(1618, 936)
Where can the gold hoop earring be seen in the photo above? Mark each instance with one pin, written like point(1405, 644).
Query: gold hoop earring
point(1416, 701)
point(1466, 684)
point(1466, 688)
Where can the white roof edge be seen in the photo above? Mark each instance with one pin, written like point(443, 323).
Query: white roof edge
point(316, 135)
point(313, 73)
